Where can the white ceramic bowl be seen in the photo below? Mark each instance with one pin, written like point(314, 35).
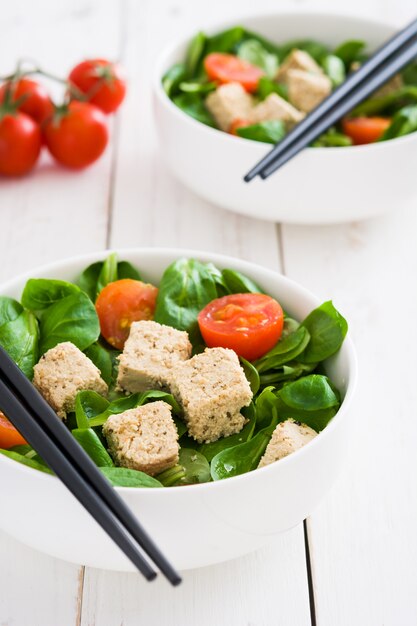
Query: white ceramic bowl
point(321, 185)
point(199, 524)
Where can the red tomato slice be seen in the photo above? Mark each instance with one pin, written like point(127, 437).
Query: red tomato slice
point(248, 323)
point(9, 436)
point(122, 302)
point(365, 129)
point(228, 68)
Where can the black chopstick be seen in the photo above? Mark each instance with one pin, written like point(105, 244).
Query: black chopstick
point(37, 415)
point(377, 61)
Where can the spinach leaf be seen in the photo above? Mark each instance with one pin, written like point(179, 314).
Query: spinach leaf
point(310, 399)
point(126, 270)
point(350, 51)
point(403, 123)
point(9, 310)
point(265, 43)
point(89, 404)
point(20, 458)
point(327, 329)
point(334, 67)
point(124, 477)
point(253, 52)
point(290, 371)
point(89, 279)
point(271, 131)
point(226, 41)
point(40, 293)
point(388, 103)
point(244, 457)
point(251, 374)
point(74, 319)
point(102, 359)
point(108, 273)
point(210, 450)
point(267, 86)
point(20, 338)
point(265, 407)
point(195, 53)
point(332, 139)
point(186, 287)
point(131, 402)
point(287, 349)
point(172, 78)
point(409, 74)
point(235, 282)
point(92, 445)
point(197, 87)
point(193, 105)
point(195, 465)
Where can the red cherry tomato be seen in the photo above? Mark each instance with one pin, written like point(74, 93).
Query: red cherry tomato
point(103, 80)
point(122, 302)
point(37, 103)
point(77, 136)
point(248, 323)
point(9, 436)
point(20, 143)
point(238, 123)
point(365, 129)
point(228, 68)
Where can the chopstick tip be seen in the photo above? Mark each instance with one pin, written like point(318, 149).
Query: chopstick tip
point(248, 177)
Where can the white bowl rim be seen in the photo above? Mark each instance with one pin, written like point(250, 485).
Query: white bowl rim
point(215, 26)
point(91, 257)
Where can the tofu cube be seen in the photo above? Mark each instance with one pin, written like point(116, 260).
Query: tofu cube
point(150, 353)
point(62, 372)
point(229, 102)
point(306, 91)
point(144, 438)
point(212, 388)
point(288, 437)
point(276, 108)
point(297, 60)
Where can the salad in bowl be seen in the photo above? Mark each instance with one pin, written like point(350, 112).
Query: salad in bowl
point(196, 383)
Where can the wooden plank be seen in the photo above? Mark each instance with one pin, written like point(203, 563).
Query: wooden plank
point(48, 215)
point(151, 209)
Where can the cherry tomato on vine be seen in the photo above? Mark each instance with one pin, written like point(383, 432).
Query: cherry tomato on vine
point(20, 142)
point(37, 103)
point(248, 323)
point(228, 68)
point(9, 436)
point(122, 302)
point(77, 134)
point(102, 81)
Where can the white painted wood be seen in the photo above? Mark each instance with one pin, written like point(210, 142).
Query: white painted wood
point(50, 214)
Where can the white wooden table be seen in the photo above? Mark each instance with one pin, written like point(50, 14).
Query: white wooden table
point(362, 540)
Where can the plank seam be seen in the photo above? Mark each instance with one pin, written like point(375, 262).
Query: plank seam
point(309, 576)
point(80, 595)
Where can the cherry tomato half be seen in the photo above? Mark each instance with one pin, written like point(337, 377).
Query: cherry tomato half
point(248, 323)
point(228, 68)
point(122, 302)
point(9, 436)
point(77, 136)
point(20, 143)
point(103, 80)
point(365, 129)
point(37, 103)
point(238, 123)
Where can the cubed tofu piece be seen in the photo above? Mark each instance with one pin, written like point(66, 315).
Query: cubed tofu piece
point(306, 91)
point(150, 353)
point(288, 437)
point(144, 438)
point(62, 372)
point(229, 102)
point(276, 108)
point(297, 60)
point(212, 389)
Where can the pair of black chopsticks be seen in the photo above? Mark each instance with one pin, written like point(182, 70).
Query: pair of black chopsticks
point(44, 431)
point(377, 70)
